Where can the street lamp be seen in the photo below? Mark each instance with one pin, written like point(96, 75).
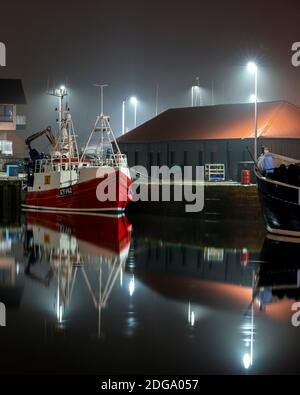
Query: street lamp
point(252, 67)
point(196, 94)
point(134, 102)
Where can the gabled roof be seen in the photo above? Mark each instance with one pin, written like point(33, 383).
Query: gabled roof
point(278, 119)
point(11, 92)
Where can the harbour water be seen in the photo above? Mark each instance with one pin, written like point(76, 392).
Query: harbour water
point(145, 295)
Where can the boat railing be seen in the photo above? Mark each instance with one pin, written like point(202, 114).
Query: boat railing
point(119, 159)
point(48, 166)
point(114, 160)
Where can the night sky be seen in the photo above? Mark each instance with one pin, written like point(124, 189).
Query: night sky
point(133, 45)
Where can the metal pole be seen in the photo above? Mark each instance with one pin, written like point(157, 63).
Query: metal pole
point(256, 118)
point(102, 86)
point(60, 109)
point(156, 102)
point(198, 92)
point(192, 96)
point(123, 117)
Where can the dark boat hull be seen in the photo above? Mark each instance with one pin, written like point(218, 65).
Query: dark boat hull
point(280, 205)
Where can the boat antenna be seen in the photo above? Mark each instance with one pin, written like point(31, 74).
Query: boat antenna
point(101, 96)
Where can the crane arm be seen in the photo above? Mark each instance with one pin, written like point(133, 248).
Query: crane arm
point(49, 135)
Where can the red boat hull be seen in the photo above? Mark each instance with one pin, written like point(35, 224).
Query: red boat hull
point(82, 197)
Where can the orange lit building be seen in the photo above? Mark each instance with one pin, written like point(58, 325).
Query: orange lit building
point(221, 134)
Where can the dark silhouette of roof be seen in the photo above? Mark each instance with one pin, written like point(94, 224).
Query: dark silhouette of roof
point(278, 119)
point(11, 92)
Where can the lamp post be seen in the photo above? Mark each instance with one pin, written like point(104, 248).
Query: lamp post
point(193, 88)
point(123, 117)
point(134, 102)
point(196, 92)
point(252, 67)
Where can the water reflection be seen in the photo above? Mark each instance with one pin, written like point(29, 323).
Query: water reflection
point(93, 247)
point(278, 279)
point(216, 300)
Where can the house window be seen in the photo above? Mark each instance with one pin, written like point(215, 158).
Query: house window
point(6, 113)
point(6, 147)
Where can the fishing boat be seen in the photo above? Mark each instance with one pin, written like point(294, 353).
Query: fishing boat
point(97, 179)
point(279, 190)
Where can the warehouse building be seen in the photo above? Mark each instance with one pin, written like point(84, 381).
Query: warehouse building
point(12, 118)
point(222, 134)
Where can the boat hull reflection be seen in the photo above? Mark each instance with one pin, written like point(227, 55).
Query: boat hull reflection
point(89, 248)
point(111, 233)
point(278, 279)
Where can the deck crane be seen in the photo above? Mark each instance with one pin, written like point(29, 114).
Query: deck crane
point(33, 153)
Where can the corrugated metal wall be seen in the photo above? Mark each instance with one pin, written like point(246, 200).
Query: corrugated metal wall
point(201, 152)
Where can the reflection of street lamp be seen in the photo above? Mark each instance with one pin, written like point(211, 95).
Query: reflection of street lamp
point(131, 286)
point(191, 316)
point(252, 67)
point(248, 331)
point(247, 361)
point(134, 102)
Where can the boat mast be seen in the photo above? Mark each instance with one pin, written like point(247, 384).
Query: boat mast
point(102, 126)
point(66, 138)
point(102, 120)
point(60, 93)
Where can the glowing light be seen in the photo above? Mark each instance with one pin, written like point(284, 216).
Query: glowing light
point(62, 88)
point(252, 67)
point(247, 361)
point(253, 98)
point(192, 318)
point(60, 314)
point(131, 286)
point(121, 278)
point(57, 311)
point(134, 101)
